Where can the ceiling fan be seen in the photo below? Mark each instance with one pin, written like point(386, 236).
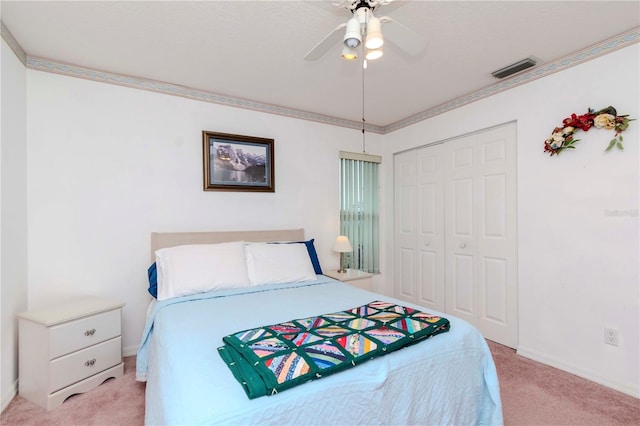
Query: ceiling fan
point(364, 30)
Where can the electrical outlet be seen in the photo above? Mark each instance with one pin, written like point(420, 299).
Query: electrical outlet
point(611, 336)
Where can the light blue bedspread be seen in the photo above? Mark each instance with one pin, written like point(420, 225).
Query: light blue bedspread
point(449, 379)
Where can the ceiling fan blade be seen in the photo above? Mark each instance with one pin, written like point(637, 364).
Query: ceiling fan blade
point(344, 4)
point(403, 37)
point(325, 44)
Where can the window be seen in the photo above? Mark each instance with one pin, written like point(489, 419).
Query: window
point(359, 216)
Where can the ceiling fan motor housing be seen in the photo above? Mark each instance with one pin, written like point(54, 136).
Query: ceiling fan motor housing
point(367, 4)
point(363, 14)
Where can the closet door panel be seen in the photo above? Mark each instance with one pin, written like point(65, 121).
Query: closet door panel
point(463, 289)
point(460, 229)
point(462, 208)
point(419, 232)
point(430, 245)
point(428, 209)
point(407, 274)
point(405, 227)
point(495, 206)
point(497, 240)
point(494, 276)
point(494, 248)
point(427, 246)
point(428, 273)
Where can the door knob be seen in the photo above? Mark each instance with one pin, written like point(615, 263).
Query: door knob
point(463, 245)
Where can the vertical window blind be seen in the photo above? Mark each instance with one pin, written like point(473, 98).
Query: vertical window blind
point(359, 217)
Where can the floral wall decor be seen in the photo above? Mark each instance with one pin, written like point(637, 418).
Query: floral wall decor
point(607, 118)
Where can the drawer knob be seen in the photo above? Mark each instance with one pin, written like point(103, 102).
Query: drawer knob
point(90, 363)
point(90, 332)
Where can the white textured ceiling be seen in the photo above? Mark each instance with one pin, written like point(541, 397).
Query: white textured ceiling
point(254, 49)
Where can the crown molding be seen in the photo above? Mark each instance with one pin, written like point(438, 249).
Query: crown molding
point(13, 43)
point(618, 42)
point(47, 65)
point(42, 64)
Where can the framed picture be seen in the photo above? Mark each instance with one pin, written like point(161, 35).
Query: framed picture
point(237, 163)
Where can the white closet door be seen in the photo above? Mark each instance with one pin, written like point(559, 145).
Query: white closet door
point(480, 228)
point(455, 230)
point(419, 254)
point(460, 229)
point(405, 226)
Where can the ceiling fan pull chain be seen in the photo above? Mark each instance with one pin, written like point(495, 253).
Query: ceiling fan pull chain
point(364, 142)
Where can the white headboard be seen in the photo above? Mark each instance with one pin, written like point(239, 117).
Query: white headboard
point(170, 239)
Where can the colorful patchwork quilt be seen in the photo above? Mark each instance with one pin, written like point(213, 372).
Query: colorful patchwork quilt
point(269, 359)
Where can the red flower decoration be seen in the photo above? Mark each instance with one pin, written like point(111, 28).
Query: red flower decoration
point(584, 121)
point(562, 137)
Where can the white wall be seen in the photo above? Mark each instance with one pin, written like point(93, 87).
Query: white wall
point(578, 262)
point(13, 215)
point(108, 165)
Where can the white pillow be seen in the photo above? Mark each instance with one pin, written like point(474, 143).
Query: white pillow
point(278, 263)
point(198, 268)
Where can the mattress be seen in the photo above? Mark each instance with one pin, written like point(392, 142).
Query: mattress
point(447, 379)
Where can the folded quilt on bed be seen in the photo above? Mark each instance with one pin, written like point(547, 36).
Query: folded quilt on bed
point(269, 359)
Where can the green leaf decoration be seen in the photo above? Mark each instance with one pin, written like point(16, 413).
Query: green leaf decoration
point(619, 145)
point(611, 144)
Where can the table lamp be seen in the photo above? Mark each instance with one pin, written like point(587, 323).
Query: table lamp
point(342, 245)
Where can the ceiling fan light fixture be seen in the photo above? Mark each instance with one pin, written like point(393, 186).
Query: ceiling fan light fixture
point(373, 54)
point(349, 53)
point(352, 37)
point(374, 34)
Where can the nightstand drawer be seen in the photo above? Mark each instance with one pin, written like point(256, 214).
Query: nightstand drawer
point(82, 333)
point(72, 368)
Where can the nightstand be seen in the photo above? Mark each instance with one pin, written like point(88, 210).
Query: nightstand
point(353, 277)
point(69, 348)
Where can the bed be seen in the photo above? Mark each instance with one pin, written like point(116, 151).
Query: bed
point(449, 378)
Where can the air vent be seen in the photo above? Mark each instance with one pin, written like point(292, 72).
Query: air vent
point(514, 68)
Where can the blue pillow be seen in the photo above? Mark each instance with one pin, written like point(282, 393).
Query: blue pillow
point(313, 256)
point(153, 280)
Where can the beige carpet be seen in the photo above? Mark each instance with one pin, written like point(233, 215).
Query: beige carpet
point(115, 402)
point(532, 394)
point(536, 394)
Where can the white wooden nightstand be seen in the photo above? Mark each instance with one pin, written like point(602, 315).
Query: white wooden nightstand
point(69, 348)
point(353, 277)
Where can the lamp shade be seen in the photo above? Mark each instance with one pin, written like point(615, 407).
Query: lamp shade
point(342, 245)
point(352, 37)
point(374, 33)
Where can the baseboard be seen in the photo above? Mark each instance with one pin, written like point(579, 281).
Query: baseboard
point(130, 350)
point(8, 397)
point(624, 387)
